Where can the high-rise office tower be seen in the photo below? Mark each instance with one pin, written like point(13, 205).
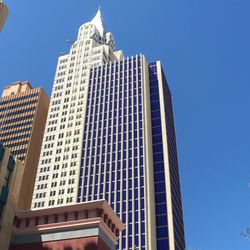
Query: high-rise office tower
point(3, 13)
point(23, 112)
point(110, 135)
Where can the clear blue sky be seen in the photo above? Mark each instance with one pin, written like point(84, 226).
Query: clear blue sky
point(204, 46)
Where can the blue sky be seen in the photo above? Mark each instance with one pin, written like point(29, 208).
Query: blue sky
point(205, 49)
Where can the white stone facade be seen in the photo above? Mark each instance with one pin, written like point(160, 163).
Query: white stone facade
point(60, 158)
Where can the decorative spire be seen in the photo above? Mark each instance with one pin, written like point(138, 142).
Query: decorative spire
point(98, 22)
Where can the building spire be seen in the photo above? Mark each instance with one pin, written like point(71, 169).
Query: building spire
point(98, 22)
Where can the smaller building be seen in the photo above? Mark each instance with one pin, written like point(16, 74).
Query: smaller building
point(85, 226)
point(11, 175)
point(3, 13)
point(23, 113)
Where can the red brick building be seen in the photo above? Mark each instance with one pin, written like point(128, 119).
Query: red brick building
point(85, 226)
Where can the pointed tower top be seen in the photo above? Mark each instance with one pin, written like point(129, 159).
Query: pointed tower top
point(98, 22)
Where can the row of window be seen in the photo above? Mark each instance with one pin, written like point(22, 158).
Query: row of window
point(18, 119)
point(19, 105)
point(52, 202)
point(15, 137)
point(19, 152)
point(18, 112)
point(19, 125)
point(15, 132)
point(129, 63)
point(64, 174)
point(20, 98)
point(16, 144)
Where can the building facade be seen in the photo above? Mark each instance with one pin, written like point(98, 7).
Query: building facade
point(23, 113)
point(3, 14)
point(85, 226)
point(110, 135)
point(11, 175)
point(60, 158)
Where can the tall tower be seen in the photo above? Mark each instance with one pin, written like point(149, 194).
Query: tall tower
point(110, 135)
point(60, 159)
point(23, 113)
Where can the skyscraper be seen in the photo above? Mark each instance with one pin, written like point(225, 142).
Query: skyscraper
point(110, 135)
point(3, 13)
point(23, 112)
point(60, 158)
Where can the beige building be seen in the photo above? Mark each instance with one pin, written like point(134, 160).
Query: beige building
point(3, 13)
point(11, 174)
point(23, 113)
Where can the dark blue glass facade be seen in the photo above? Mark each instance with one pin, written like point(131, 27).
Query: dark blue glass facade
point(112, 166)
point(161, 205)
point(173, 168)
point(113, 153)
point(158, 162)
